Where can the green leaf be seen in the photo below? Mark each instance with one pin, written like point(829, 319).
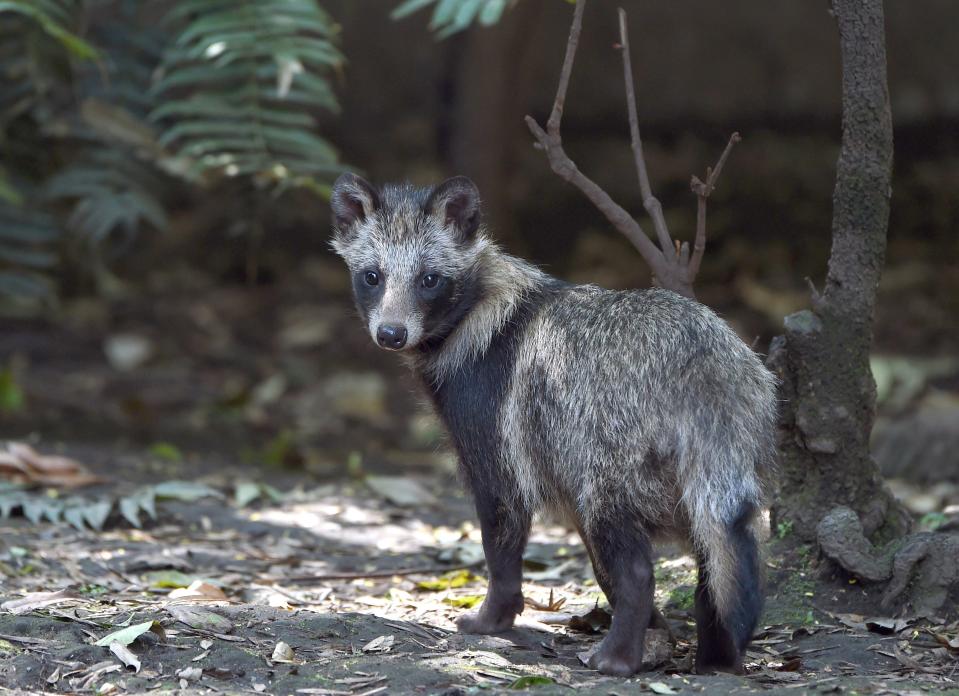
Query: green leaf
point(246, 493)
point(254, 74)
point(127, 635)
point(166, 452)
point(451, 580)
point(11, 394)
point(130, 510)
point(409, 7)
point(70, 41)
point(27, 257)
point(464, 601)
point(529, 680)
point(492, 12)
point(168, 579)
point(452, 16)
point(185, 491)
point(96, 514)
point(23, 285)
point(7, 192)
point(74, 516)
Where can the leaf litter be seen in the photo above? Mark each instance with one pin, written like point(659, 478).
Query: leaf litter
point(203, 596)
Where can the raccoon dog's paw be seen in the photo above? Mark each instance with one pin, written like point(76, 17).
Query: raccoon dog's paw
point(495, 616)
point(617, 660)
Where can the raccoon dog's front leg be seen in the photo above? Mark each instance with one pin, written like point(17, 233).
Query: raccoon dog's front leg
point(505, 530)
point(624, 556)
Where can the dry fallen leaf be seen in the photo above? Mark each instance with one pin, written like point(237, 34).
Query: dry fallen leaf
point(380, 644)
point(199, 591)
point(551, 605)
point(200, 619)
point(38, 600)
point(282, 653)
point(126, 656)
point(23, 464)
point(190, 674)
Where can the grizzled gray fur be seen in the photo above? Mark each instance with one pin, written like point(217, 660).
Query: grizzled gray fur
point(636, 414)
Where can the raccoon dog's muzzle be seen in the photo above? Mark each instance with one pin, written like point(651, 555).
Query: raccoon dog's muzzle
point(391, 337)
point(395, 322)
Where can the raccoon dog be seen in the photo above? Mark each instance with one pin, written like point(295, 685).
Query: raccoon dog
point(637, 414)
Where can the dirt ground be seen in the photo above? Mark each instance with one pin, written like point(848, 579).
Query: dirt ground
point(362, 581)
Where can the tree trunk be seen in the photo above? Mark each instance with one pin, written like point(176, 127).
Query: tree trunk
point(828, 391)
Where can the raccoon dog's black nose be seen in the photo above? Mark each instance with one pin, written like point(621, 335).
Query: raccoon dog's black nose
point(392, 337)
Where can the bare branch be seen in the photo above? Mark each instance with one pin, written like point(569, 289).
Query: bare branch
point(674, 265)
point(650, 202)
point(556, 115)
point(619, 218)
point(702, 191)
point(552, 142)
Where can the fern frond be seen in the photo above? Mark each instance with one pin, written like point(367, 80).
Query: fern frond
point(452, 16)
point(28, 241)
point(240, 85)
point(52, 17)
point(112, 193)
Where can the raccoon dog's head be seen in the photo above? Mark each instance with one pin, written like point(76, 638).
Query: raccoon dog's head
point(412, 255)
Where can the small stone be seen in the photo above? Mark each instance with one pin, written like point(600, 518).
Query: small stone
point(127, 351)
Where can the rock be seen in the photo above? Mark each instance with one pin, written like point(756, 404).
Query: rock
point(360, 395)
point(127, 351)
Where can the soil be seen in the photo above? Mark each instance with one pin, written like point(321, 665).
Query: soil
point(334, 572)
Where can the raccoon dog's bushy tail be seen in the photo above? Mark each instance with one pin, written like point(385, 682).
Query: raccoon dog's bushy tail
point(730, 573)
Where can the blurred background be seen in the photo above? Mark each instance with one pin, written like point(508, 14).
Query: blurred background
point(165, 280)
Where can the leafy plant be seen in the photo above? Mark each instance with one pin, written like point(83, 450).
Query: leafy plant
point(53, 17)
point(36, 44)
point(239, 85)
point(28, 240)
point(100, 128)
point(81, 512)
point(452, 16)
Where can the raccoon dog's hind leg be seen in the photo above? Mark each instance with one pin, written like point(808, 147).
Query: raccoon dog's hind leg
point(725, 624)
point(505, 527)
point(623, 558)
point(657, 620)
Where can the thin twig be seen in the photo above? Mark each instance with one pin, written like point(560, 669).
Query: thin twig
point(575, 29)
point(702, 191)
point(433, 570)
point(650, 202)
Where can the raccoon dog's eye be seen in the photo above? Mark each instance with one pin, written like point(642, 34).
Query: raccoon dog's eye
point(372, 278)
point(430, 280)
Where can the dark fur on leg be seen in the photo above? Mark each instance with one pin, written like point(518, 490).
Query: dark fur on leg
point(625, 562)
point(724, 635)
point(657, 620)
point(504, 538)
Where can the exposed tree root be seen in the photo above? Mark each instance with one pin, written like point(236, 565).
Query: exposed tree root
point(921, 569)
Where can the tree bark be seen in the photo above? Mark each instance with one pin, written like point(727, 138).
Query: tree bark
point(822, 359)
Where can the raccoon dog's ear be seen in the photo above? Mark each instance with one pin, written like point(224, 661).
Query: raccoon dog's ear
point(457, 203)
point(353, 199)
